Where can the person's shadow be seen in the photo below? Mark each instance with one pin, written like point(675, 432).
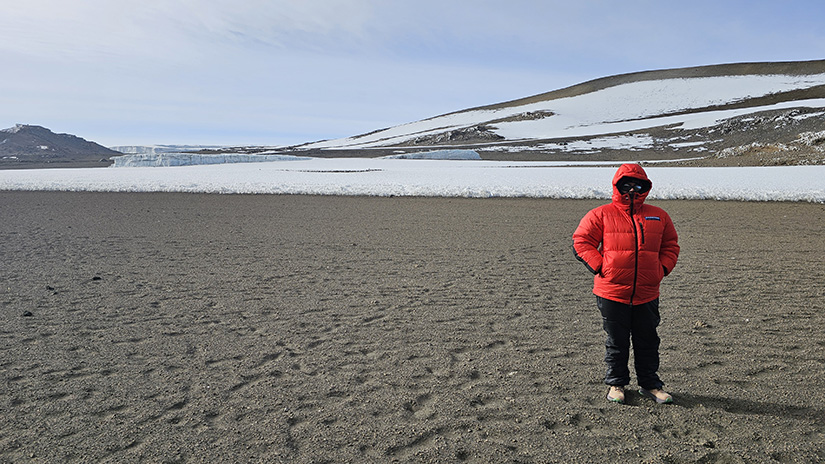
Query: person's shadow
point(746, 406)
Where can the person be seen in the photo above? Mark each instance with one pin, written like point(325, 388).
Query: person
point(629, 246)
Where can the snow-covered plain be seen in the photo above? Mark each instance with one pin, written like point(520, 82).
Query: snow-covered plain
point(433, 178)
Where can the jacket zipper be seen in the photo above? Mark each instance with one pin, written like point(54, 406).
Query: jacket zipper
point(636, 248)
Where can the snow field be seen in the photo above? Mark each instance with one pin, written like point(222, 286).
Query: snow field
point(431, 178)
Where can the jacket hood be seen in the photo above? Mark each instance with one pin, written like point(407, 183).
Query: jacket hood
point(636, 172)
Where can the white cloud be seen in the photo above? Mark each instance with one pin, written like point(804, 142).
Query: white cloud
point(88, 29)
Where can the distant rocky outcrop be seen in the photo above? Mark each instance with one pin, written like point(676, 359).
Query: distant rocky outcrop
point(473, 134)
point(35, 146)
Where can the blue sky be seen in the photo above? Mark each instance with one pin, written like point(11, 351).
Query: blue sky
point(277, 72)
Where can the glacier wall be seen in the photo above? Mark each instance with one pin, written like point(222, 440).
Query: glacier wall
point(190, 159)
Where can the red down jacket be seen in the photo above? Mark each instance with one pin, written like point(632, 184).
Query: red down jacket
point(629, 247)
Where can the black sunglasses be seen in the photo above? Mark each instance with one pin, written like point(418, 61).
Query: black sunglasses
point(626, 187)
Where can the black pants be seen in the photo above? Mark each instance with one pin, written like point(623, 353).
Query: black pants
point(624, 323)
